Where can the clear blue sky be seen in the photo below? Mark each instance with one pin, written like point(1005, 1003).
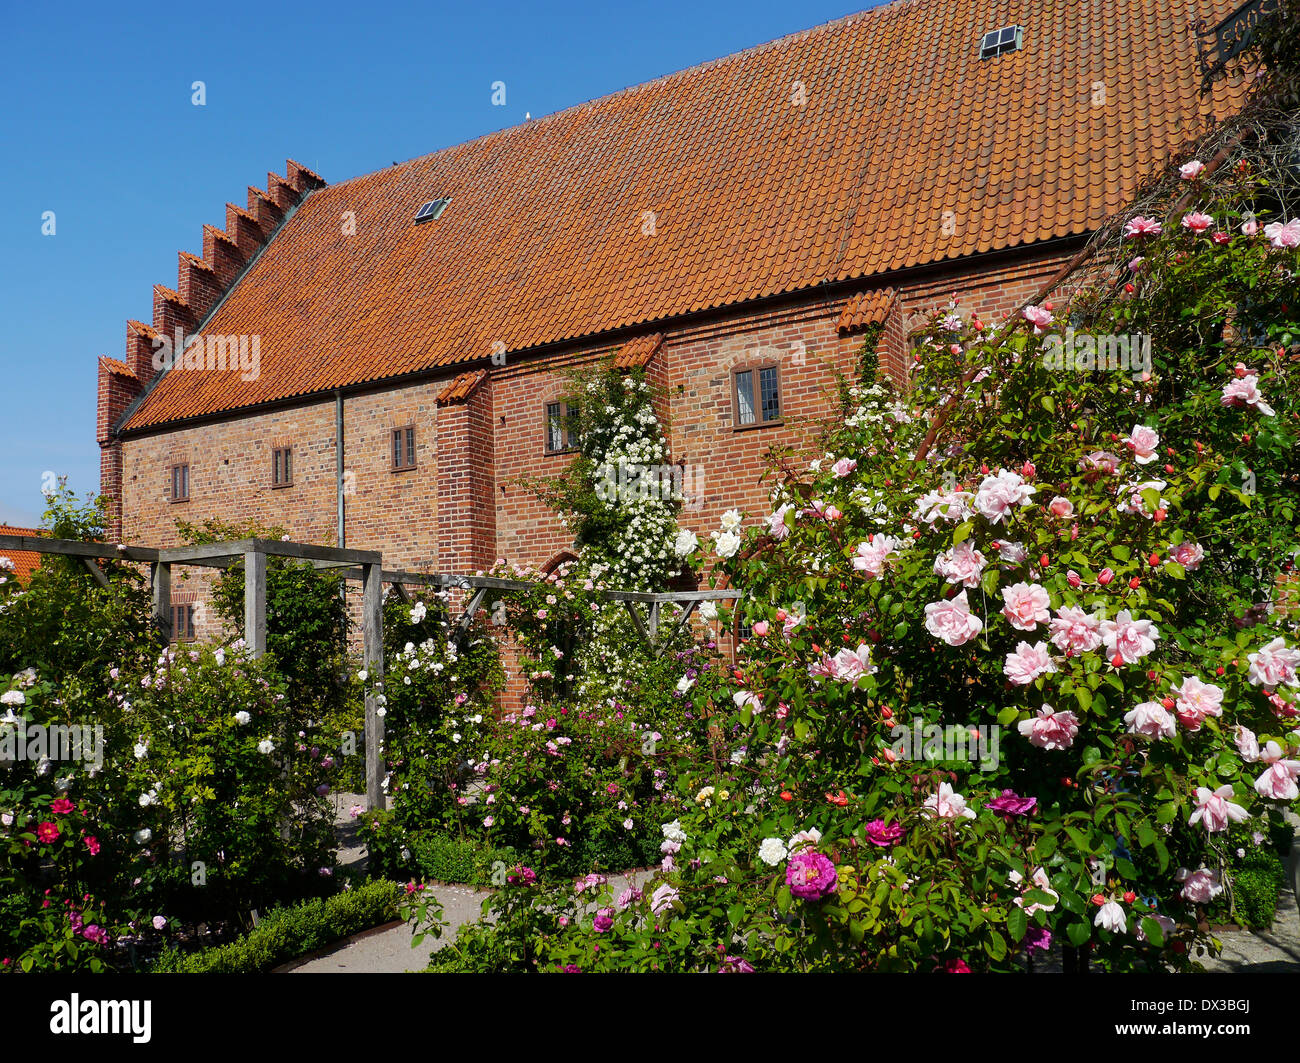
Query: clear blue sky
point(98, 126)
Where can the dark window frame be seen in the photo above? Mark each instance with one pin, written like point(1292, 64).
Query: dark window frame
point(570, 444)
point(172, 470)
point(759, 421)
point(999, 46)
point(402, 453)
point(285, 480)
point(183, 622)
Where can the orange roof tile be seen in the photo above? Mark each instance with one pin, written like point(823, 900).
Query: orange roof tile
point(461, 387)
point(25, 562)
point(114, 366)
point(874, 143)
point(866, 308)
point(637, 352)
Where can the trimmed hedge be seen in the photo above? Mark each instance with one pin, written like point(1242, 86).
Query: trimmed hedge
point(289, 932)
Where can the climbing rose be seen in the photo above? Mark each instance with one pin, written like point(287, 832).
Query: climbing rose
point(1197, 222)
point(811, 875)
point(1009, 803)
point(1200, 886)
point(1038, 317)
point(1074, 631)
point(1278, 783)
point(1130, 639)
point(62, 806)
point(1150, 719)
point(1026, 663)
point(1142, 226)
point(1274, 664)
point(1026, 605)
point(962, 564)
point(1247, 744)
point(1189, 555)
point(1196, 701)
point(943, 505)
point(662, 898)
point(999, 494)
point(1189, 171)
point(1143, 441)
point(947, 804)
point(776, 526)
point(843, 467)
point(1283, 234)
point(1050, 729)
point(1061, 507)
point(871, 556)
point(952, 620)
point(883, 834)
point(47, 832)
point(772, 851)
point(851, 665)
point(1244, 391)
point(1110, 916)
point(1215, 811)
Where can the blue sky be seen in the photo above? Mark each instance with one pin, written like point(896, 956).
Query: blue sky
point(98, 126)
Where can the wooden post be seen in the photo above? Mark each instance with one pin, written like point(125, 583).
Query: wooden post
point(160, 575)
point(255, 601)
point(372, 607)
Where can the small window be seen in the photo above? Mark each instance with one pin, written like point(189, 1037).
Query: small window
point(282, 466)
point(182, 623)
point(1007, 39)
point(432, 210)
point(404, 447)
point(180, 483)
point(560, 435)
point(756, 394)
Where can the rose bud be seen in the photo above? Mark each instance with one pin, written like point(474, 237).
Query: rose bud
point(1074, 579)
point(1117, 661)
point(760, 628)
point(1153, 560)
point(1129, 896)
point(1134, 583)
point(1160, 514)
point(1128, 287)
point(1044, 561)
point(1105, 576)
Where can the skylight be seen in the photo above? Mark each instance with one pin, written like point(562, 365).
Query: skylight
point(431, 210)
point(995, 42)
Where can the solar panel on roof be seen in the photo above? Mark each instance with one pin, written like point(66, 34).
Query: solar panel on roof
point(431, 210)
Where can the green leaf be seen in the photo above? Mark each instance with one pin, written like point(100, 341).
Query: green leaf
point(1078, 933)
point(1017, 924)
point(1007, 715)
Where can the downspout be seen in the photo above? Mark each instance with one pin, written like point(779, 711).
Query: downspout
point(338, 469)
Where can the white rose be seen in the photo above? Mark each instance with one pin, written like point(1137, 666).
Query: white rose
point(242, 717)
point(726, 543)
point(265, 746)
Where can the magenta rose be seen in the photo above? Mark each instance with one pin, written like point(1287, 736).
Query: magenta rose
point(883, 834)
point(810, 875)
point(604, 920)
point(1009, 803)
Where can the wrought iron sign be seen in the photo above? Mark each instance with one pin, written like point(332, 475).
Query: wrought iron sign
point(1219, 46)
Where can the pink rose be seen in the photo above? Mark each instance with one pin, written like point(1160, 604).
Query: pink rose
point(1038, 317)
point(871, 556)
point(952, 620)
point(1189, 555)
point(1050, 729)
point(1215, 811)
point(1197, 222)
point(1247, 743)
point(850, 665)
point(1274, 664)
point(1026, 663)
point(1099, 463)
point(1140, 226)
point(1196, 701)
point(1150, 719)
point(1075, 632)
point(998, 495)
point(1200, 886)
point(760, 628)
point(947, 804)
point(843, 467)
point(1249, 227)
point(1128, 638)
point(962, 564)
point(1191, 170)
point(1061, 507)
point(1026, 605)
point(776, 526)
point(1074, 579)
point(1105, 576)
point(1278, 783)
point(1283, 235)
point(1143, 441)
point(1244, 391)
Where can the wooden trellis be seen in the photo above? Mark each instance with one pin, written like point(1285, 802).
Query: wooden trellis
point(364, 566)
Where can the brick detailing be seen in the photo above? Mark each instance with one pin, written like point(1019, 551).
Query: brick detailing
point(466, 532)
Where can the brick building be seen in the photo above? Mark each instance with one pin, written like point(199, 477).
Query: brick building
point(378, 356)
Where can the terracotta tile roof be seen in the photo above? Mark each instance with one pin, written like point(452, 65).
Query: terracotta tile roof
point(461, 387)
point(637, 352)
point(114, 366)
point(870, 144)
point(866, 308)
point(25, 561)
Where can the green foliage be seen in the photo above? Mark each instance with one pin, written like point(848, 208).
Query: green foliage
point(289, 932)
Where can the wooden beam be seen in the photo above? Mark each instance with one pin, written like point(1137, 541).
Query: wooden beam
point(372, 608)
point(255, 602)
point(96, 571)
point(467, 617)
point(39, 544)
point(275, 547)
point(637, 622)
point(160, 576)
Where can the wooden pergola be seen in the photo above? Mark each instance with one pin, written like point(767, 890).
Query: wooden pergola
point(363, 566)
